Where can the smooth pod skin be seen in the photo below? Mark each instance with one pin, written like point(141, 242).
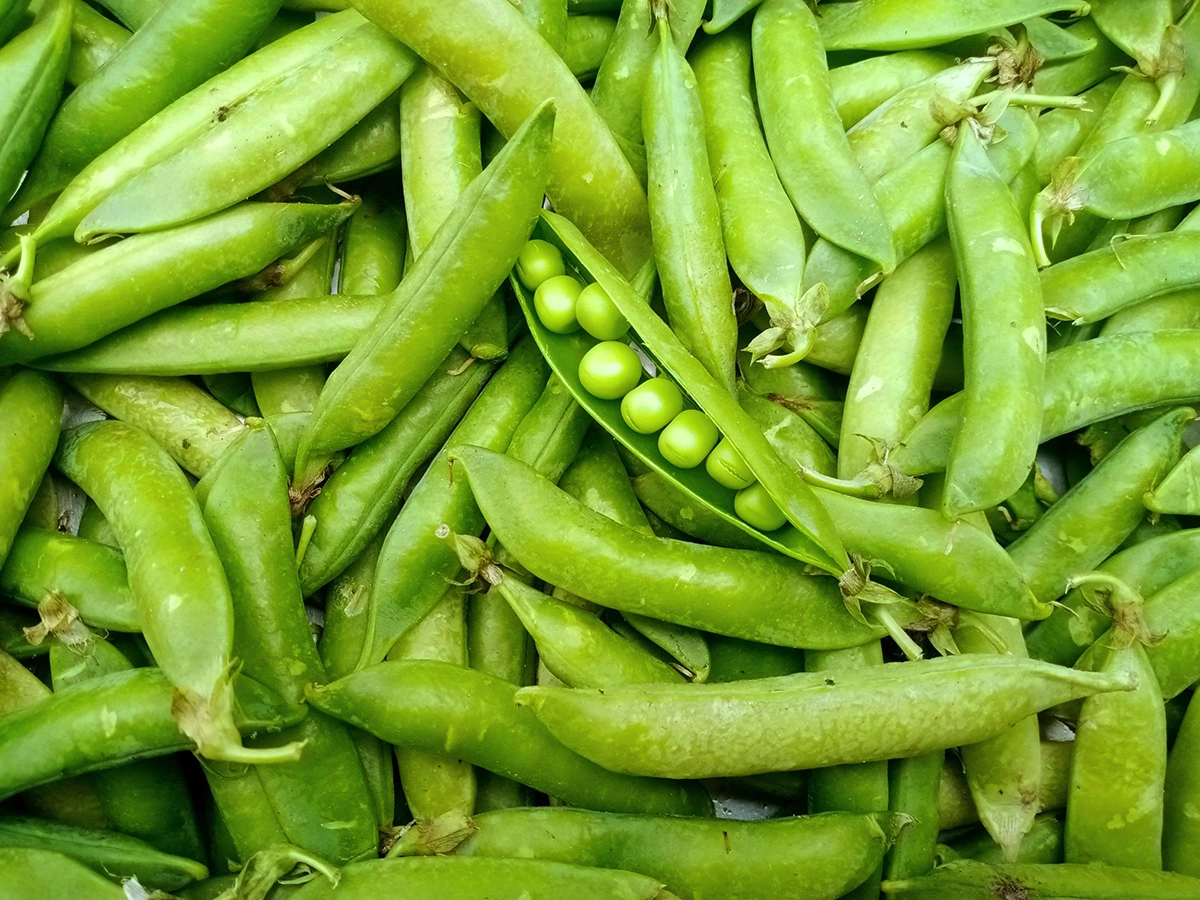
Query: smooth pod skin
point(1181, 824)
point(589, 179)
point(253, 139)
point(88, 575)
point(123, 283)
point(970, 880)
point(373, 249)
point(860, 87)
point(186, 422)
point(816, 719)
point(588, 40)
point(590, 555)
point(685, 219)
point(442, 294)
point(1085, 383)
point(33, 67)
point(181, 46)
point(1062, 131)
point(1090, 521)
point(1004, 335)
point(699, 859)
point(803, 129)
point(913, 791)
point(891, 25)
point(31, 408)
point(1179, 490)
point(443, 708)
point(35, 873)
point(95, 39)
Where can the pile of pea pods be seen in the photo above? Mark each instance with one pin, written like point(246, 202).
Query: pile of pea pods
point(605, 449)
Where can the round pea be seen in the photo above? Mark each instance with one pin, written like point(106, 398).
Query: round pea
point(610, 370)
point(754, 506)
point(555, 300)
point(688, 438)
point(727, 467)
point(537, 261)
point(598, 315)
point(651, 405)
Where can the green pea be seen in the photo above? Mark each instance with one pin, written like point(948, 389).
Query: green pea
point(689, 438)
point(727, 467)
point(555, 300)
point(538, 261)
point(610, 370)
point(651, 405)
point(755, 506)
point(598, 315)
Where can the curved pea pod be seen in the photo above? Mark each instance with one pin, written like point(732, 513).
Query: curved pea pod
point(589, 178)
point(860, 87)
point(588, 40)
point(107, 722)
point(1179, 490)
point(1089, 522)
point(441, 296)
point(116, 855)
point(95, 39)
point(1072, 76)
point(971, 880)
point(35, 873)
point(829, 854)
point(90, 576)
point(810, 536)
point(33, 67)
point(370, 147)
point(664, 582)
point(1061, 132)
point(803, 129)
point(1085, 383)
point(648, 729)
point(178, 48)
point(685, 220)
point(1181, 831)
point(463, 879)
point(891, 25)
point(128, 281)
point(443, 708)
point(31, 408)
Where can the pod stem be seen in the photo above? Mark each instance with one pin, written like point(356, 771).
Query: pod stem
point(282, 271)
point(307, 527)
point(1111, 595)
point(1037, 224)
point(15, 289)
point(59, 619)
point(271, 866)
point(208, 722)
point(428, 837)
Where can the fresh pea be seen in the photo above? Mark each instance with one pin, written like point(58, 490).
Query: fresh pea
point(31, 407)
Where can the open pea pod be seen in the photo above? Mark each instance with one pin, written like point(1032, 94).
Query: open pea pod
point(808, 535)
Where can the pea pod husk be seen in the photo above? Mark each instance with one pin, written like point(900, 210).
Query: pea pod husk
point(35, 873)
point(31, 407)
point(95, 40)
point(970, 880)
point(588, 40)
point(1181, 832)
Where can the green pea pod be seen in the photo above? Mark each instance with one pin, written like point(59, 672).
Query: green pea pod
point(1090, 521)
point(44, 511)
point(1061, 132)
point(696, 521)
point(970, 880)
point(373, 249)
point(33, 67)
point(109, 853)
point(804, 132)
point(133, 14)
point(130, 280)
point(548, 17)
point(639, 729)
point(891, 25)
point(1181, 832)
point(35, 873)
point(806, 391)
point(95, 39)
point(31, 408)
point(107, 722)
point(913, 791)
point(829, 853)
point(684, 217)
point(13, 641)
point(589, 179)
point(762, 233)
point(415, 563)
point(802, 611)
point(150, 506)
point(1057, 44)
point(178, 48)
point(443, 708)
point(1068, 77)
point(1087, 382)
point(218, 338)
point(860, 87)
point(371, 146)
point(1149, 36)
point(1147, 567)
point(247, 493)
point(799, 443)
point(811, 537)
point(88, 575)
point(1178, 491)
point(588, 40)
point(185, 421)
point(1043, 844)
point(1175, 311)
point(12, 18)
point(426, 315)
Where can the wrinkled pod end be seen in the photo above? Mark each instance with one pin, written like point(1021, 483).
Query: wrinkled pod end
point(1008, 829)
point(1112, 596)
point(433, 837)
point(208, 722)
point(269, 866)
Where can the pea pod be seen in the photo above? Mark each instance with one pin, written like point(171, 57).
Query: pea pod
point(1062, 131)
point(1181, 834)
point(1149, 37)
point(684, 218)
point(913, 791)
point(126, 282)
point(639, 729)
point(494, 216)
point(1073, 76)
point(1177, 491)
point(890, 25)
point(970, 880)
point(588, 40)
point(95, 39)
point(133, 14)
point(815, 162)
point(178, 48)
point(33, 67)
point(810, 538)
point(862, 86)
point(30, 412)
point(34, 873)
point(697, 858)
point(443, 708)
